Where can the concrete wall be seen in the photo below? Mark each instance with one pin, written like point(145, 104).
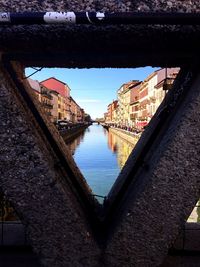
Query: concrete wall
point(38, 189)
point(156, 205)
point(102, 46)
point(125, 135)
point(71, 134)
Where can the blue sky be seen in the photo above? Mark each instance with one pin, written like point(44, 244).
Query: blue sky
point(93, 89)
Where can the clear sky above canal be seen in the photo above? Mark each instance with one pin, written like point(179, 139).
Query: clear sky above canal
point(93, 89)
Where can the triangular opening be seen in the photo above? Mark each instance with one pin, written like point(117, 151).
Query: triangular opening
point(195, 214)
point(13, 232)
point(14, 242)
point(101, 143)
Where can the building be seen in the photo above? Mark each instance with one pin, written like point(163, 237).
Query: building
point(63, 98)
point(165, 79)
point(54, 101)
point(105, 116)
point(152, 92)
point(142, 120)
point(54, 96)
point(35, 85)
point(138, 101)
point(134, 103)
point(46, 101)
point(124, 100)
point(61, 108)
point(43, 95)
point(111, 114)
point(77, 114)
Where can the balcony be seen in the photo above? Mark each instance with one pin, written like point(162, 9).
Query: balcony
point(152, 99)
point(133, 116)
point(46, 95)
point(46, 105)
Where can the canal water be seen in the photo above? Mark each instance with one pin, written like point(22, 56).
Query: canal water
point(100, 156)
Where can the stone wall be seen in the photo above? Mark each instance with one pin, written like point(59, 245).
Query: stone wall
point(125, 135)
point(155, 207)
point(71, 134)
point(102, 46)
point(37, 186)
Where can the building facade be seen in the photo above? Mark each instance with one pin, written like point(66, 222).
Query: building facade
point(63, 98)
point(138, 101)
point(124, 101)
point(46, 100)
point(134, 104)
point(56, 101)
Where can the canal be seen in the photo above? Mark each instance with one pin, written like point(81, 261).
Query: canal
point(100, 156)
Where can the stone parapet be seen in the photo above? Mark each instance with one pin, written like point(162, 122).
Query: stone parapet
point(126, 135)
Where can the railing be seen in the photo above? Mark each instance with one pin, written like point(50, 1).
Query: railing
point(47, 95)
point(46, 105)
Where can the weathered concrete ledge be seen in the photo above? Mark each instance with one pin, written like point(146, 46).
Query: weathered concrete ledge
point(155, 208)
point(33, 179)
point(126, 135)
point(101, 46)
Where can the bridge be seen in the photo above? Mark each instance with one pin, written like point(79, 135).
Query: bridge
point(151, 200)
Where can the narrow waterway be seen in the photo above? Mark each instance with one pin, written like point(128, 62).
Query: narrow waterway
point(100, 155)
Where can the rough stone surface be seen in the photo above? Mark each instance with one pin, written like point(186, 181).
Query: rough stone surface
point(157, 207)
point(116, 46)
point(58, 227)
point(55, 220)
point(57, 224)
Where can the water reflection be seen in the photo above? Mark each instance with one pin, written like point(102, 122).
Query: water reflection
point(76, 142)
point(100, 155)
point(119, 146)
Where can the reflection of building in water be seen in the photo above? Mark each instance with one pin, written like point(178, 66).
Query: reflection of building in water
point(112, 142)
point(121, 147)
point(75, 143)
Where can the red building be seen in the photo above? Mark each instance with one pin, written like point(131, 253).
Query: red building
point(64, 91)
point(57, 85)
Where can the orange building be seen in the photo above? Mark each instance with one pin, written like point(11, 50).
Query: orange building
point(111, 112)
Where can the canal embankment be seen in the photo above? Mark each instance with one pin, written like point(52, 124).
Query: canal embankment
point(126, 135)
point(72, 133)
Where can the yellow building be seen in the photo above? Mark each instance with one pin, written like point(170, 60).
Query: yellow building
point(61, 108)
point(46, 99)
point(54, 101)
point(77, 114)
point(124, 100)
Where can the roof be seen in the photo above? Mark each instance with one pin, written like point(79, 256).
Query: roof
point(53, 79)
point(54, 84)
point(54, 92)
point(71, 98)
point(34, 85)
point(135, 84)
point(127, 86)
